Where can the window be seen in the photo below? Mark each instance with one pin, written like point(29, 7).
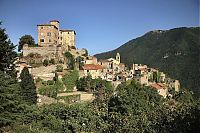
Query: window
point(88, 71)
point(49, 40)
point(41, 27)
point(48, 34)
point(41, 40)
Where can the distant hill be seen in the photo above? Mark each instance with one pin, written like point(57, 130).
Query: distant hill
point(175, 52)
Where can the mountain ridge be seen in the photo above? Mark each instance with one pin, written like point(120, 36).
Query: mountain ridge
point(175, 52)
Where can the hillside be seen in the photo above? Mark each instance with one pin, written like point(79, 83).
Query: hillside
point(175, 52)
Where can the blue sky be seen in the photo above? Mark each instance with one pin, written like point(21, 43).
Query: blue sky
point(101, 25)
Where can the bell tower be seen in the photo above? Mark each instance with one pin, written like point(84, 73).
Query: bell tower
point(118, 57)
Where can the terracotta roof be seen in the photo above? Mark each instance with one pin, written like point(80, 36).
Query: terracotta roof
point(156, 86)
point(161, 84)
point(121, 64)
point(92, 67)
point(47, 25)
point(25, 65)
point(104, 61)
point(60, 73)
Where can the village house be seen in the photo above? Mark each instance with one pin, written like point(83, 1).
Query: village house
point(90, 60)
point(161, 89)
point(94, 70)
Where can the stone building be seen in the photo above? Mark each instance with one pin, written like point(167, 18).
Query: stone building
point(53, 42)
point(90, 60)
point(94, 70)
point(161, 89)
point(67, 38)
point(50, 34)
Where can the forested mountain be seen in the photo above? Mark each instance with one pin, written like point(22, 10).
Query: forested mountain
point(175, 52)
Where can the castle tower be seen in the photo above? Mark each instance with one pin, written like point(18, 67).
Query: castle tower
point(55, 23)
point(118, 57)
point(48, 34)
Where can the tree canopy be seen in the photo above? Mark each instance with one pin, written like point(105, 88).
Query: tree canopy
point(28, 88)
point(26, 39)
point(7, 53)
point(70, 60)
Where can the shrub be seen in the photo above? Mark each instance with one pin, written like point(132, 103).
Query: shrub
point(38, 80)
point(45, 62)
point(50, 82)
point(59, 68)
point(31, 55)
point(70, 80)
point(52, 61)
point(61, 62)
point(71, 98)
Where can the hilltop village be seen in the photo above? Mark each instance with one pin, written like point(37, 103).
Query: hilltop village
point(56, 54)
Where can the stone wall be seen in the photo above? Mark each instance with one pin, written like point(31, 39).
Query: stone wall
point(40, 50)
point(55, 52)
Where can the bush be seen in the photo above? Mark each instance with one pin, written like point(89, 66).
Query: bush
point(59, 68)
point(70, 80)
point(31, 55)
point(71, 98)
point(61, 62)
point(46, 62)
point(48, 90)
point(50, 82)
point(52, 61)
point(38, 80)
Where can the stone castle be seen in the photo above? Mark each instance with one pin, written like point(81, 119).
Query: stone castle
point(53, 42)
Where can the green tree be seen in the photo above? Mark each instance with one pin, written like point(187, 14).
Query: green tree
point(9, 100)
point(70, 60)
point(70, 79)
point(84, 83)
point(7, 53)
point(26, 39)
point(86, 53)
point(80, 60)
point(28, 88)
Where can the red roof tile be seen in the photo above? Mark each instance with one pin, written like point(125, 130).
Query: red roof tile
point(104, 61)
point(92, 67)
point(156, 86)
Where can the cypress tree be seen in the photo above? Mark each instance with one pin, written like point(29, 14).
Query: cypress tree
point(28, 88)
